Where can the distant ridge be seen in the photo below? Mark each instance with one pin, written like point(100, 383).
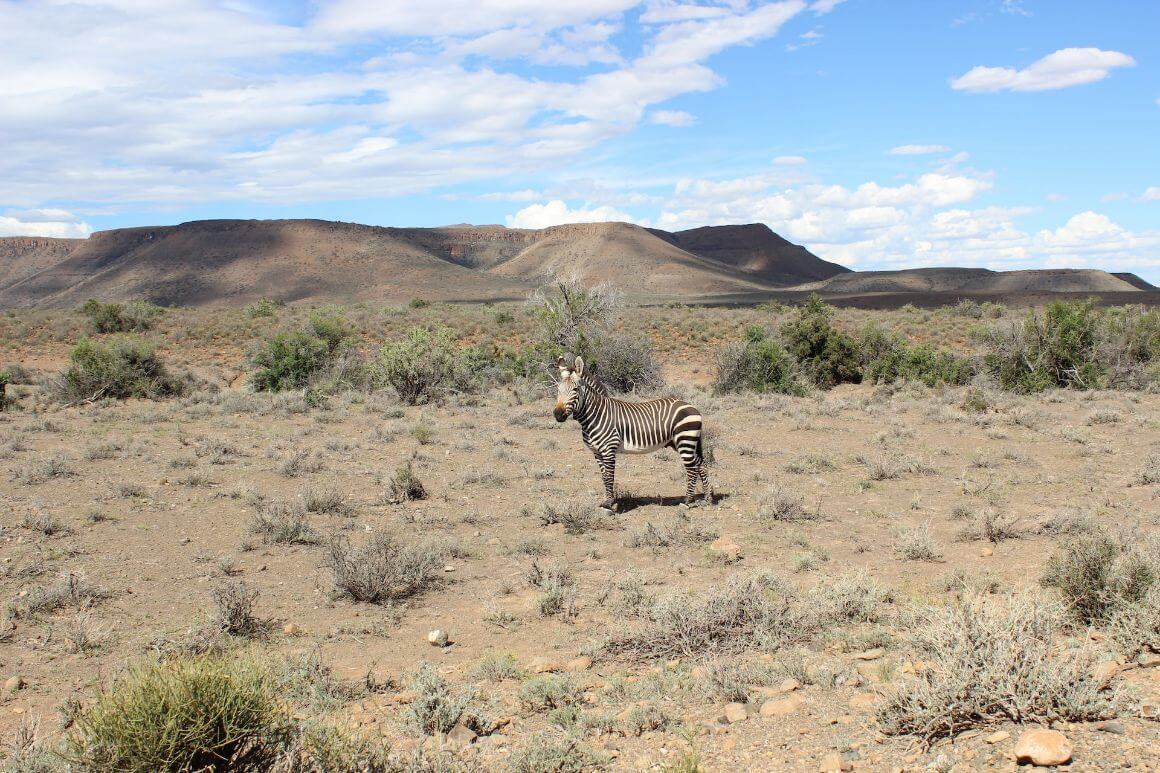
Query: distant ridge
point(233, 262)
point(238, 261)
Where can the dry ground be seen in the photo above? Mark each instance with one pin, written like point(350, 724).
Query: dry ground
point(153, 504)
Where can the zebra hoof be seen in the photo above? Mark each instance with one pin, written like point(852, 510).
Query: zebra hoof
point(608, 505)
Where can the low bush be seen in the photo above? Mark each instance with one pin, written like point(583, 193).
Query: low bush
point(263, 307)
point(549, 691)
point(296, 359)
point(427, 365)
point(234, 609)
point(886, 359)
point(121, 368)
point(1096, 577)
point(281, 523)
point(383, 569)
point(759, 364)
point(437, 708)
point(825, 355)
point(203, 713)
point(626, 363)
point(132, 317)
point(993, 660)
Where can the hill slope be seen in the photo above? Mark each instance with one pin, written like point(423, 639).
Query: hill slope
point(970, 281)
point(757, 250)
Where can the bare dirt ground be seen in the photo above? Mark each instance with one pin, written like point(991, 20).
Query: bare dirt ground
point(153, 503)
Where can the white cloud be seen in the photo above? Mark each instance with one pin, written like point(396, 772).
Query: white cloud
point(1113, 196)
point(918, 150)
point(790, 160)
point(557, 212)
point(190, 101)
point(1055, 197)
point(1151, 193)
point(825, 6)
point(55, 223)
point(1066, 67)
point(672, 118)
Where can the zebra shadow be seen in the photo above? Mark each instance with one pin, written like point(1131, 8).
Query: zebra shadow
point(629, 502)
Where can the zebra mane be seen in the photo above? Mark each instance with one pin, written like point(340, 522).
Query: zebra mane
point(593, 381)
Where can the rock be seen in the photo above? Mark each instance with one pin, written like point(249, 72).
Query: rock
point(873, 654)
point(1104, 673)
point(461, 735)
point(863, 700)
point(987, 552)
point(407, 696)
point(725, 548)
point(789, 685)
point(449, 568)
point(999, 736)
point(871, 672)
point(833, 763)
point(545, 666)
point(291, 629)
point(437, 638)
point(781, 707)
point(1113, 726)
point(736, 712)
point(1043, 747)
point(1148, 659)
point(582, 663)
point(14, 683)
point(1150, 710)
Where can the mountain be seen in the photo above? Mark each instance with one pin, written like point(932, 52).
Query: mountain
point(233, 262)
point(757, 250)
point(237, 261)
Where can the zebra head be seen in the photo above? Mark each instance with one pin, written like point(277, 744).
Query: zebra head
point(567, 387)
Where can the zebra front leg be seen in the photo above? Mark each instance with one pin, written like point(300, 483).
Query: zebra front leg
point(607, 463)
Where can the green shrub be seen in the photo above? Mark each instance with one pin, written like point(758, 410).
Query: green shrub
point(427, 365)
point(293, 359)
point(1097, 576)
point(187, 714)
point(1072, 344)
point(123, 367)
point(572, 317)
point(419, 303)
point(758, 365)
point(134, 316)
point(263, 307)
point(825, 355)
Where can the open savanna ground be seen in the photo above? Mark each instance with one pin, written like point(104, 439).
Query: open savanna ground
point(892, 576)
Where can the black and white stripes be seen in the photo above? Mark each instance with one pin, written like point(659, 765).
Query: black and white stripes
point(610, 426)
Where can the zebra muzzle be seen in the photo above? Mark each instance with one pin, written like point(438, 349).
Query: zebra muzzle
point(560, 412)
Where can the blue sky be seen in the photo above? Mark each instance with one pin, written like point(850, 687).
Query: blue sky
point(879, 133)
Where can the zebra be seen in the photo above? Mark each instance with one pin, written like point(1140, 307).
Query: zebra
point(610, 426)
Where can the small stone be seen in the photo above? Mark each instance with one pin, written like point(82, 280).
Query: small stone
point(873, 654)
point(986, 552)
point(461, 735)
point(1150, 710)
point(14, 683)
point(736, 712)
point(781, 707)
point(1148, 659)
point(1113, 726)
point(1104, 673)
point(788, 685)
point(1043, 747)
point(999, 736)
point(493, 541)
point(291, 629)
point(725, 548)
point(545, 666)
point(582, 663)
point(863, 700)
point(833, 763)
point(406, 696)
point(449, 568)
point(438, 638)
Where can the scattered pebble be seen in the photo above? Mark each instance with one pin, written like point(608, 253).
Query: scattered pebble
point(1043, 747)
point(437, 638)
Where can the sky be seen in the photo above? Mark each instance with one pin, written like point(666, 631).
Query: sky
point(878, 133)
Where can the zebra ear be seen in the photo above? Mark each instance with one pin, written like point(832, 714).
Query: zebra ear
point(560, 361)
point(579, 367)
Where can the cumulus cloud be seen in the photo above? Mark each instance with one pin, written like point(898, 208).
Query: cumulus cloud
point(557, 212)
point(790, 160)
point(918, 150)
point(672, 118)
point(196, 100)
point(56, 223)
point(1151, 193)
point(1066, 67)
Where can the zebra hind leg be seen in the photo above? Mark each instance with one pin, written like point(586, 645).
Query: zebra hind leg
point(688, 453)
point(707, 488)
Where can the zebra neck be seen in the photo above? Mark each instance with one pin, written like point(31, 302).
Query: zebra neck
point(590, 407)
